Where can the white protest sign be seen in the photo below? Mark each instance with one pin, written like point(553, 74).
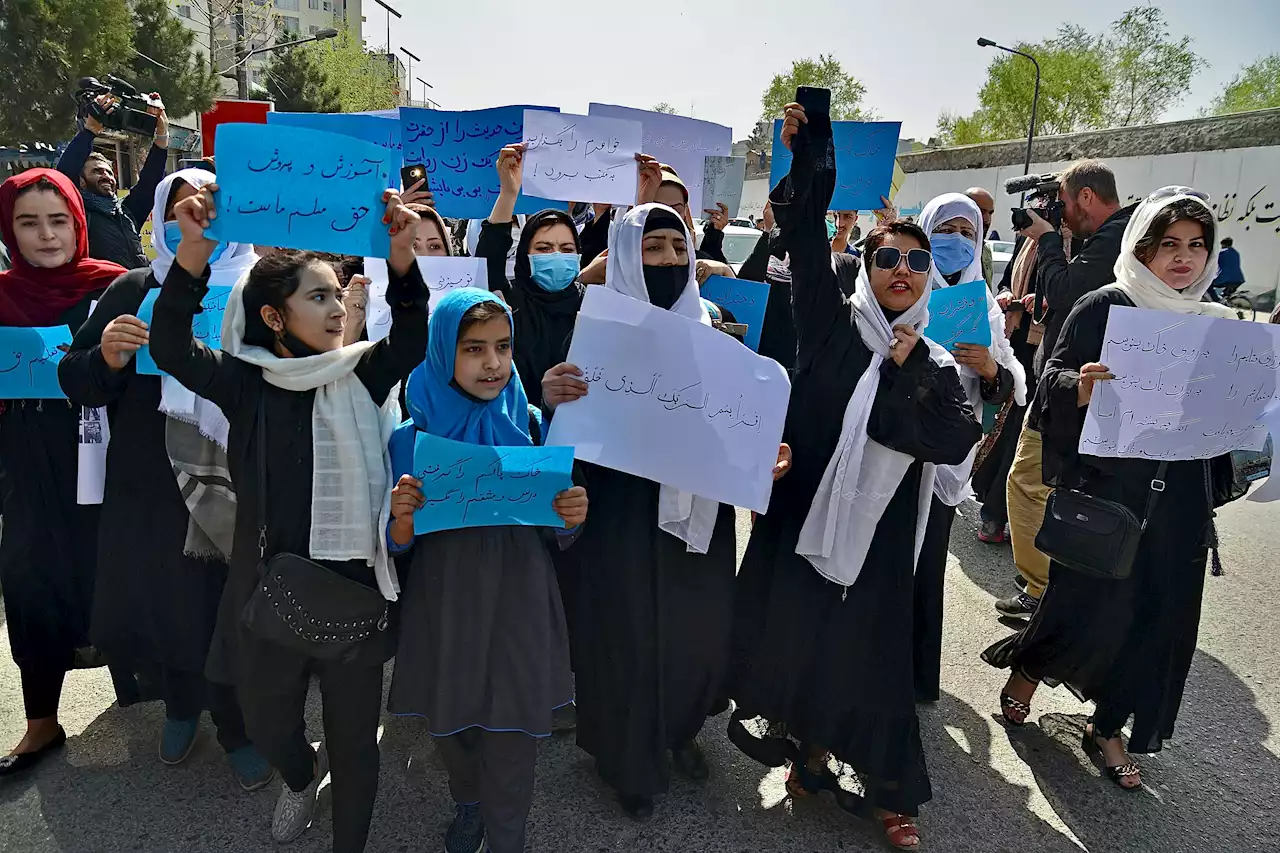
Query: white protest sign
point(581, 158)
point(673, 401)
point(1270, 490)
point(722, 179)
point(679, 142)
point(1186, 386)
point(441, 275)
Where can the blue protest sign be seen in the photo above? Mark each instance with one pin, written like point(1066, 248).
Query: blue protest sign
point(206, 326)
point(382, 130)
point(301, 189)
point(958, 315)
point(746, 300)
point(29, 362)
point(475, 485)
point(460, 153)
point(865, 151)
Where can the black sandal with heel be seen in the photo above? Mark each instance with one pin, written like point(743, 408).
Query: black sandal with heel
point(1118, 773)
point(1022, 709)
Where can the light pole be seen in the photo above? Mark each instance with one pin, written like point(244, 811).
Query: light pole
point(409, 77)
point(390, 12)
point(242, 79)
point(425, 87)
point(1035, 99)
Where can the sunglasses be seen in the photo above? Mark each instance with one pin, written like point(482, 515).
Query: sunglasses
point(888, 258)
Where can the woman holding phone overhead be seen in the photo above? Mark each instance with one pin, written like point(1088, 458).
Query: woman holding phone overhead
point(309, 425)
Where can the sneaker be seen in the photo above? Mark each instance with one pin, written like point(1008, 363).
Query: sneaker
point(1020, 581)
point(178, 739)
point(466, 833)
point(1020, 606)
point(294, 810)
point(993, 533)
point(251, 769)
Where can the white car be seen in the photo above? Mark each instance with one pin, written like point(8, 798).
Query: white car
point(1001, 257)
point(738, 245)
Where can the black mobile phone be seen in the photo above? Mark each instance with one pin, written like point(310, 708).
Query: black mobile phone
point(411, 174)
point(817, 109)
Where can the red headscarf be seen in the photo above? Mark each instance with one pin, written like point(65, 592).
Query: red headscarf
point(35, 296)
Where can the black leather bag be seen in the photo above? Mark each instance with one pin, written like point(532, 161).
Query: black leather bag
point(1093, 535)
point(302, 605)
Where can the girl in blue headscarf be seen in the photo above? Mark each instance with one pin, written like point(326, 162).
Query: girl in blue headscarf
point(484, 652)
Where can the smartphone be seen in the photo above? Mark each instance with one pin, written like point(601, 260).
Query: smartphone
point(411, 174)
point(817, 109)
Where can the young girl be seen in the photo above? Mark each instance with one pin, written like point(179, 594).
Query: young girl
point(483, 653)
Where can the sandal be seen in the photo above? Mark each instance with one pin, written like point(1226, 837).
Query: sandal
point(1009, 705)
point(801, 781)
point(1117, 773)
point(901, 831)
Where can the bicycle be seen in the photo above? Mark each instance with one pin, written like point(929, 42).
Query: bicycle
point(1238, 302)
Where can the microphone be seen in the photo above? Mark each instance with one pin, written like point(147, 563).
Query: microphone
point(1026, 183)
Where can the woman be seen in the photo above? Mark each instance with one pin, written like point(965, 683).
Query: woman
point(160, 573)
point(432, 238)
point(822, 665)
point(989, 375)
point(1125, 644)
point(483, 651)
point(325, 413)
point(47, 553)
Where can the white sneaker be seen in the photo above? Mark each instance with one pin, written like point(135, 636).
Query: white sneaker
point(294, 810)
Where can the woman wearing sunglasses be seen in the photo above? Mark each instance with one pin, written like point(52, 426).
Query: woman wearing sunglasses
point(822, 628)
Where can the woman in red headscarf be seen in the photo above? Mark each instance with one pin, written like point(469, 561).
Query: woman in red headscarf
point(47, 552)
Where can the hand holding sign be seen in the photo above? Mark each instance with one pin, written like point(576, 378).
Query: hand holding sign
point(123, 337)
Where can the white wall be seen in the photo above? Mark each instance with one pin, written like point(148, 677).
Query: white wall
point(1243, 184)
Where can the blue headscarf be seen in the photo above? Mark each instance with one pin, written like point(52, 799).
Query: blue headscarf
point(439, 407)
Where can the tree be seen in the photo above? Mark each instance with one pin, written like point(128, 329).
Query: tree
point(186, 83)
point(45, 46)
point(1150, 71)
point(1256, 87)
point(825, 72)
point(364, 80)
point(664, 107)
point(232, 24)
point(298, 84)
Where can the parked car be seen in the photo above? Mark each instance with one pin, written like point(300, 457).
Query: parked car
point(1001, 257)
point(739, 243)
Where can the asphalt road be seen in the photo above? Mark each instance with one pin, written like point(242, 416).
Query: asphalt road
point(1215, 788)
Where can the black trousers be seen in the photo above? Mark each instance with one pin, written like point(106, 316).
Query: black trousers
point(494, 769)
point(186, 694)
point(926, 623)
point(42, 689)
point(351, 697)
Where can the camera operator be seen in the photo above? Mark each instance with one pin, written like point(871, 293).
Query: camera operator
point(114, 224)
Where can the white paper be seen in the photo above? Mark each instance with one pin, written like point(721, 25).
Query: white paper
point(673, 401)
point(581, 158)
point(1186, 386)
point(722, 179)
point(1270, 489)
point(678, 141)
point(91, 459)
point(440, 274)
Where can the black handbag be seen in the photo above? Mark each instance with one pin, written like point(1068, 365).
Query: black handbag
point(302, 605)
point(1093, 535)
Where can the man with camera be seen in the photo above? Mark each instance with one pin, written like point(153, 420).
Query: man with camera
point(1090, 206)
point(114, 224)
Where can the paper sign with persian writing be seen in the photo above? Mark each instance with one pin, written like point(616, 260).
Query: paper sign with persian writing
point(459, 150)
point(380, 130)
point(301, 189)
point(958, 315)
point(581, 158)
point(722, 179)
point(29, 359)
point(678, 141)
point(206, 326)
point(745, 300)
point(439, 274)
point(865, 154)
point(673, 401)
point(475, 485)
point(1186, 386)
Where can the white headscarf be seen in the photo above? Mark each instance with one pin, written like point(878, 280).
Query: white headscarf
point(952, 483)
point(238, 258)
point(351, 478)
point(1143, 287)
point(842, 519)
point(685, 516)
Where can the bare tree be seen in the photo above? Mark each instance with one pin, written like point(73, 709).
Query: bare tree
point(233, 28)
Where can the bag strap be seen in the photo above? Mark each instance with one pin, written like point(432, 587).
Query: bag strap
point(1157, 486)
point(262, 477)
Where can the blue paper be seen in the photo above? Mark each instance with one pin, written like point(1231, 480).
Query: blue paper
point(301, 189)
point(958, 315)
point(865, 151)
point(29, 362)
point(746, 300)
point(460, 153)
point(475, 485)
point(381, 130)
point(206, 326)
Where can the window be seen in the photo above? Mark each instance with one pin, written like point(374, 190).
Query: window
point(290, 23)
point(312, 30)
point(287, 5)
point(328, 7)
point(184, 11)
point(313, 4)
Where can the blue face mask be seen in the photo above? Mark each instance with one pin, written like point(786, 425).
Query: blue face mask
point(555, 271)
point(173, 236)
point(951, 252)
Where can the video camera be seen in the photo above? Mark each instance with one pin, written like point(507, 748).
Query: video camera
point(1039, 187)
point(129, 116)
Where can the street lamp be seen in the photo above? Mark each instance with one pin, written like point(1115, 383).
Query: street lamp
point(390, 12)
point(242, 80)
point(409, 76)
point(1035, 99)
point(425, 87)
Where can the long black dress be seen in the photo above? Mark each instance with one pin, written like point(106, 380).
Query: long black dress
point(1126, 645)
point(830, 667)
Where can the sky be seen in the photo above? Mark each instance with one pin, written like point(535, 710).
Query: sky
point(715, 59)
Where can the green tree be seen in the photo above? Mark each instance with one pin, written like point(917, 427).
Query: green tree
point(825, 72)
point(45, 46)
point(297, 82)
point(186, 83)
point(664, 107)
point(1150, 71)
point(1256, 87)
point(364, 80)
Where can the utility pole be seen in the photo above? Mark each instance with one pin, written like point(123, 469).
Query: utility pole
point(242, 70)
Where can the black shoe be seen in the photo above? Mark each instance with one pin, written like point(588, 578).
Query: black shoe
point(690, 763)
point(637, 806)
point(1020, 606)
point(12, 765)
point(1020, 581)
